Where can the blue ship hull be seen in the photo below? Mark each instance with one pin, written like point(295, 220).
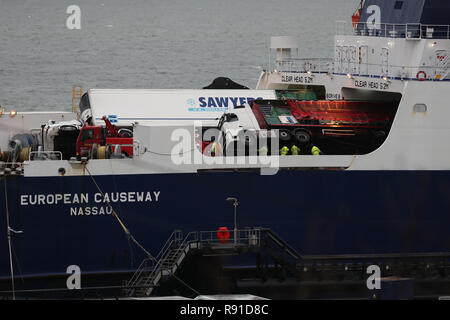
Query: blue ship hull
point(317, 212)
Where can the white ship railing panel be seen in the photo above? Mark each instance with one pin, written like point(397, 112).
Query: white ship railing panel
point(371, 70)
point(388, 30)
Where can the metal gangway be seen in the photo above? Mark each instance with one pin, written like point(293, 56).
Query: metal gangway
point(223, 242)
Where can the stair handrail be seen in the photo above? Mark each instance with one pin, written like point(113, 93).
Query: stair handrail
point(165, 253)
point(173, 239)
point(182, 246)
point(282, 244)
point(175, 236)
point(172, 251)
point(136, 276)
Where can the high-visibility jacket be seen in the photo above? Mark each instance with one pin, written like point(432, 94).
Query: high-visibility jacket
point(284, 151)
point(295, 150)
point(315, 151)
point(215, 148)
point(263, 151)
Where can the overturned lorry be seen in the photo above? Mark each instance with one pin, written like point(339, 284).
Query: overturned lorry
point(338, 127)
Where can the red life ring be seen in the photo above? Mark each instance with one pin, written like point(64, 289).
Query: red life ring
point(421, 76)
point(223, 235)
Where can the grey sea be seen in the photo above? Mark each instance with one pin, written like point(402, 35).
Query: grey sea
point(149, 43)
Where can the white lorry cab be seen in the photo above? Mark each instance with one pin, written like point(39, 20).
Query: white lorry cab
point(241, 133)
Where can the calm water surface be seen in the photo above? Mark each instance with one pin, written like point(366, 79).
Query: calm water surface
point(149, 43)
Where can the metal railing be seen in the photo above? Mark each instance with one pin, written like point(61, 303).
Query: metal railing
point(45, 155)
point(176, 248)
point(168, 259)
point(371, 70)
point(389, 30)
point(11, 168)
point(316, 65)
point(150, 263)
point(245, 237)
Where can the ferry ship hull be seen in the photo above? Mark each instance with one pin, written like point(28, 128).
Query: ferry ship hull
point(318, 212)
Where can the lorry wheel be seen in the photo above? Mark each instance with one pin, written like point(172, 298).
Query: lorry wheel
point(127, 133)
point(285, 135)
point(302, 136)
point(68, 128)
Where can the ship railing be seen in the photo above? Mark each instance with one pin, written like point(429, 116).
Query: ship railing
point(174, 240)
point(234, 237)
point(390, 30)
point(45, 155)
point(393, 72)
point(315, 65)
point(146, 265)
point(11, 168)
point(371, 70)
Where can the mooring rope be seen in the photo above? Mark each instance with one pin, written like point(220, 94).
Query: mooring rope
point(128, 233)
point(125, 229)
point(9, 241)
point(188, 286)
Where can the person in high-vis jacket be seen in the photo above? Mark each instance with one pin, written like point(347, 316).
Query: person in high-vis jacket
point(263, 151)
point(315, 151)
point(216, 148)
point(295, 151)
point(284, 151)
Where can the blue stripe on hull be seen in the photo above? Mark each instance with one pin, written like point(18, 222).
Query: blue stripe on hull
point(318, 212)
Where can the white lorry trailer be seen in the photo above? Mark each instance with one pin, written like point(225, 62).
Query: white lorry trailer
point(167, 107)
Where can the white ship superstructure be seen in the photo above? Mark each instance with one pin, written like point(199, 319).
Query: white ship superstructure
point(375, 61)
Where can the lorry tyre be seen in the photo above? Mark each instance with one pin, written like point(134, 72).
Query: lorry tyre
point(302, 136)
point(127, 133)
point(67, 128)
point(285, 135)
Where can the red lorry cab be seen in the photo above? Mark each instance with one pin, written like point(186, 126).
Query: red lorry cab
point(100, 136)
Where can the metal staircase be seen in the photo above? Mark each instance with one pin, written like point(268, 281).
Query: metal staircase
point(281, 252)
point(153, 270)
point(276, 258)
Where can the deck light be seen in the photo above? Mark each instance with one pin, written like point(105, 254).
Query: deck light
point(13, 113)
point(1, 111)
point(349, 76)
